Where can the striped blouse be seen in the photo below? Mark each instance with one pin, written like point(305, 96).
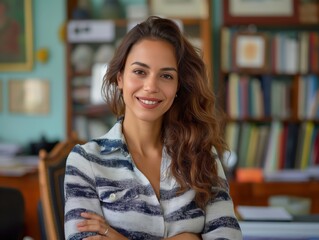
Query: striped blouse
point(102, 178)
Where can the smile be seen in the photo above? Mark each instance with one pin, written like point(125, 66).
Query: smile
point(149, 102)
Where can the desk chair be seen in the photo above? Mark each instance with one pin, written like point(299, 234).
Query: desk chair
point(51, 179)
point(12, 216)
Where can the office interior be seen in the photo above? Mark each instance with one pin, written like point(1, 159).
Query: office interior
point(37, 110)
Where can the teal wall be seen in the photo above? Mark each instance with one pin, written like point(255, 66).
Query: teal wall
point(48, 17)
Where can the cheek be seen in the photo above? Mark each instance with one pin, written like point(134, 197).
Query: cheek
point(131, 84)
point(172, 91)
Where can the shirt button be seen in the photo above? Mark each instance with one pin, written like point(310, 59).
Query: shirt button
point(112, 197)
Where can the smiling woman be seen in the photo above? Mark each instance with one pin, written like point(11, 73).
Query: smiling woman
point(156, 174)
point(149, 83)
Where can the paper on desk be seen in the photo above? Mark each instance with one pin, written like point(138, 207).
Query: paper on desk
point(252, 213)
point(18, 165)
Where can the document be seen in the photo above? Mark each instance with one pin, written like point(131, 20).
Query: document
point(252, 213)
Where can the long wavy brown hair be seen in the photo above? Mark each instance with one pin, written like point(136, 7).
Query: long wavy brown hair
point(192, 127)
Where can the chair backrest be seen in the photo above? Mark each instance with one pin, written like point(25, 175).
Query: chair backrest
point(51, 179)
point(12, 218)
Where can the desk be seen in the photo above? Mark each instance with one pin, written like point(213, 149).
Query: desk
point(29, 186)
point(257, 194)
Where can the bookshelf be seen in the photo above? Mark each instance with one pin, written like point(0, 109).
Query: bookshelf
point(89, 48)
point(270, 79)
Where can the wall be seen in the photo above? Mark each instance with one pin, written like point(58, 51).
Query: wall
point(48, 17)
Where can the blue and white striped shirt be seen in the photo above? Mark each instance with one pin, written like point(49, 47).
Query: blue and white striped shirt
point(101, 177)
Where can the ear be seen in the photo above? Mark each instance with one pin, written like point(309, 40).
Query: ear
point(120, 80)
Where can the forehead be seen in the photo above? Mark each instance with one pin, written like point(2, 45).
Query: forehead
point(153, 50)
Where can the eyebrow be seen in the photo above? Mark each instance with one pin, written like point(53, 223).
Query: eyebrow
point(146, 66)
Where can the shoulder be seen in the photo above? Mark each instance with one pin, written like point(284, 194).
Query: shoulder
point(218, 162)
point(109, 143)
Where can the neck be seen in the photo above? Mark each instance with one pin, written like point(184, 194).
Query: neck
point(142, 136)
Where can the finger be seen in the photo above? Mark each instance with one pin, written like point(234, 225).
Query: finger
point(91, 222)
point(92, 226)
point(97, 237)
point(92, 216)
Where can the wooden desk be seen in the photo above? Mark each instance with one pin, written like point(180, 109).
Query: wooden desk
point(29, 186)
point(257, 194)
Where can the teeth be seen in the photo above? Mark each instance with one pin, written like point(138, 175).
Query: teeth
point(148, 102)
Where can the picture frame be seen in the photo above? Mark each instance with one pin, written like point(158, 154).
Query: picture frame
point(250, 51)
point(29, 96)
point(258, 12)
point(180, 8)
point(16, 48)
point(1, 96)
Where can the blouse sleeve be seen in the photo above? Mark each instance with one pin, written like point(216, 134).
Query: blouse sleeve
point(79, 192)
point(221, 222)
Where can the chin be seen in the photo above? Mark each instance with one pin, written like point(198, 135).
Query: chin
point(150, 117)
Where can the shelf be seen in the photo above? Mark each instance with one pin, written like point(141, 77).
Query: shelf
point(93, 110)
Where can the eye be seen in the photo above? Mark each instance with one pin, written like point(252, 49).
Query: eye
point(139, 72)
point(167, 76)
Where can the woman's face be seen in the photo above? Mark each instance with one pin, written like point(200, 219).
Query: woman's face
point(149, 80)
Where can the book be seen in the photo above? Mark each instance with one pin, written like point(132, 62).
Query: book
point(306, 147)
point(262, 145)
point(251, 151)
point(233, 95)
point(266, 91)
point(231, 135)
point(261, 213)
point(271, 163)
point(304, 52)
point(291, 146)
point(244, 96)
point(244, 144)
point(225, 49)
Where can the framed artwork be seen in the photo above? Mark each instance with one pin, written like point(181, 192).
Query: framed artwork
point(1, 96)
point(180, 8)
point(250, 51)
point(29, 96)
point(260, 12)
point(16, 41)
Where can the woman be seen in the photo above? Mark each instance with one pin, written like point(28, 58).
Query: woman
point(156, 173)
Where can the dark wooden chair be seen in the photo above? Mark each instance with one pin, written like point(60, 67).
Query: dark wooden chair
point(12, 214)
point(51, 178)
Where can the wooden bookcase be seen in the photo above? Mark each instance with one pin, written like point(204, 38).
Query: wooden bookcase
point(269, 77)
point(82, 114)
point(271, 123)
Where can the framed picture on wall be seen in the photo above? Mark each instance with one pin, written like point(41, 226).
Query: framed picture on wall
point(250, 51)
point(180, 8)
point(1, 96)
point(16, 47)
point(29, 96)
point(260, 12)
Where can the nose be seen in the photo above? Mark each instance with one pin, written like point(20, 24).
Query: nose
point(151, 84)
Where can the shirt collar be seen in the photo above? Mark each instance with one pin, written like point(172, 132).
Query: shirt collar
point(113, 140)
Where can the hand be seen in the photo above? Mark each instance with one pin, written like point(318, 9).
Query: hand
point(96, 223)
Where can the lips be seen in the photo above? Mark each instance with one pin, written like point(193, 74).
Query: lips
point(149, 102)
